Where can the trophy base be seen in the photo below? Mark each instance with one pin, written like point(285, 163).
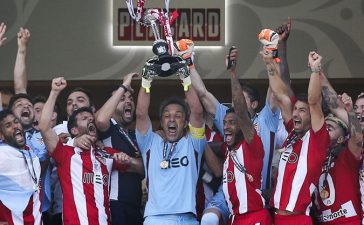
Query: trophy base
point(164, 65)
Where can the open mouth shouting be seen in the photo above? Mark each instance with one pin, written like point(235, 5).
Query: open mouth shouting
point(91, 129)
point(297, 123)
point(18, 136)
point(128, 112)
point(25, 114)
point(228, 137)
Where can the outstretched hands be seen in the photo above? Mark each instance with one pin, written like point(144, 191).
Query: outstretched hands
point(2, 33)
point(58, 84)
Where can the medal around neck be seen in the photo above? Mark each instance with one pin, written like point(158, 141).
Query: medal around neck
point(164, 164)
point(324, 194)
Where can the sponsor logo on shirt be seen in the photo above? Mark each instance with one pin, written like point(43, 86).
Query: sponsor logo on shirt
point(91, 178)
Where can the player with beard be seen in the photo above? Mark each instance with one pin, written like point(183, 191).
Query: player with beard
point(19, 175)
point(305, 149)
point(113, 120)
point(338, 194)
point(76, 99)
point(243, 166)
point(171, 163)
point(83, 173)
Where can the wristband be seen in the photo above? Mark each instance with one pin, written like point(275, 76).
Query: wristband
point(146, 84)
point(315, 69)
point(123, 87)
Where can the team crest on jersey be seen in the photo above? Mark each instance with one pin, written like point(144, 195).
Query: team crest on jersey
point(290, 157)
point(229, 176)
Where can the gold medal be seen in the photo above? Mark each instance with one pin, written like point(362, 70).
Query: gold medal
point(164, 164)
point(324, 194)
point(250, 177)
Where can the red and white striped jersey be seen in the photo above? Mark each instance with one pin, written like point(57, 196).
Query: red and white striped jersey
point(242, 195)
point(343, 202)
point(299, 170)
point(84, 176)
point(361, 183)
point(32, 214)
point(20, 171)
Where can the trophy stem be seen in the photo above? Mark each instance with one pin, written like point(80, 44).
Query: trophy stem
point(155, 30)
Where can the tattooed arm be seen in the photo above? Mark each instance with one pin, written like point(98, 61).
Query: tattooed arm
point(337, 107)
point(331, 99)
point(277, 86)
point(355, 142)
point(239, 102)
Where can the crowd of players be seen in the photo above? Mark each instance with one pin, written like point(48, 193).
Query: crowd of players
point(297, 161)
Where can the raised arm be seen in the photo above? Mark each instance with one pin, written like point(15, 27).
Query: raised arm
point(103, 115)
point(196, 116)
point(20, 70)
point(239, 102)
point(2, 34)
point(314, 92)
point(277, 85)
point(284, 31)
point(207, 99)
point(355, 142)
point(142, 118)
point(346, 114)
point(332, 100)
point(50, 137)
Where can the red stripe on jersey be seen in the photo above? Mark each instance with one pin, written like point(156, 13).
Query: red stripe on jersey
point(233, 196)
point(88, 189)
point(28, 217)
point(241, 194)
point(33, 209)
point(289, 174)
point(299, 170)
point(105, 186)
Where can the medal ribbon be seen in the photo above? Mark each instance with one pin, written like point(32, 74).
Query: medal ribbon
point(291, 140)
point(171, 150)
point(240, 166)
point(33, 175)
point(131, 142)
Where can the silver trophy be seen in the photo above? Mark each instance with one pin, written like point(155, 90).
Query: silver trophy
point(164, 63)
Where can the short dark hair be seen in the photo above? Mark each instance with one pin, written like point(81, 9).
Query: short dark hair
point(4, 113)
point(72, 119)
point(87, 93)
point(175, 100)
point(303, 97)
point(42, 99)
point(252, 92)
point(15, 97)
point(6, 91)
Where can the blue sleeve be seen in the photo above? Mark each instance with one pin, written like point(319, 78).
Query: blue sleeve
point(144, 141)
point(198, 144)
point(268, 118)
point(219, 118)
